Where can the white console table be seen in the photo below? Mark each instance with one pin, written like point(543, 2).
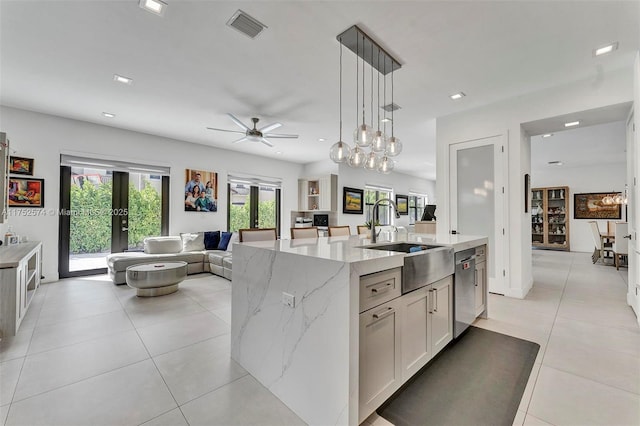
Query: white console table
point(20, 269)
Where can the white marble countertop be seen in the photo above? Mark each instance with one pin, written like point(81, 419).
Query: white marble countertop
point(349, 249)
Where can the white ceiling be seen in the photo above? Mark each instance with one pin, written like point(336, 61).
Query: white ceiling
point(189, 68)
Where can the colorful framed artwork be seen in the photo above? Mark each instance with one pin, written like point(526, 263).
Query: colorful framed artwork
point(402, 201)
point(200, 191)
point(352, 200)
point(26, 192)
point(21, 166)
point(590, 206)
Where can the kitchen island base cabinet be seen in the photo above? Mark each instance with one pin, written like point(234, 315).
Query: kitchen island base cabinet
point(380, 373)
point(441, 314)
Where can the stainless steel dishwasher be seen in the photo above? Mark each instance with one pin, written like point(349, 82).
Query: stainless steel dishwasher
point(464, 293)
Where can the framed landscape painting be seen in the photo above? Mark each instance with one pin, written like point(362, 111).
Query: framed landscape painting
point(26, 192)
point(352, 199)
point(590, 206)
point(21, 166)
point(402, 201)
point(200, 191)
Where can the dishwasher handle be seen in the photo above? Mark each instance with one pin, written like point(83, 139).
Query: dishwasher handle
point(466, 259)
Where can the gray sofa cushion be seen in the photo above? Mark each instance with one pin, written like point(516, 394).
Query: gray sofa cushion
point(216, 257)
point(120, 261)
point(162, 245)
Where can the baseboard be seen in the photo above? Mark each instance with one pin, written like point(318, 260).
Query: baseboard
point(520, 293)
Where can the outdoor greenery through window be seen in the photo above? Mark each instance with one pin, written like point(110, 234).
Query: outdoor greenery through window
point(371, 195)
point(241, 204)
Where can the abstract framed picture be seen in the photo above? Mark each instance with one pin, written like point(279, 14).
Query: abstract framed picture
point(590, 206)
point(200, 191)
point(26, 192)
point(21, 166)
point(402, 201)
point(352, 200)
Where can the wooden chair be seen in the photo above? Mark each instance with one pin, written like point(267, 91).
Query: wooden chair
point(600, 247)
point(363, 229)
point(304, 232)
point(621, 242)
point(337, 231)
point(257, 234)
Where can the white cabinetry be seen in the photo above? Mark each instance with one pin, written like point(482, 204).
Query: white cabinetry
point(416, 333)
point(481, 279)
point(318, 193)
point(20, 270)
point(441, 314)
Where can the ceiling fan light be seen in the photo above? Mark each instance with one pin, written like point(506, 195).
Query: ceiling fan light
point(372, 161)
point(386, 165)
point(394, 147)
point(379, 142)
point(357, 158)
point(339, 152)
point(363, 135)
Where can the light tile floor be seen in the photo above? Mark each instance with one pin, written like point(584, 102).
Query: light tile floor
point(92, 353)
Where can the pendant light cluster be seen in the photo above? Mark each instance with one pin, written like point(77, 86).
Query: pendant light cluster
point(372, 147)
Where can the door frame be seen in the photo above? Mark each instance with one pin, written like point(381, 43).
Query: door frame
point(500, 253)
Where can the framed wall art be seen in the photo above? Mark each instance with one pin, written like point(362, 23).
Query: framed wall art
point(21, 166)
point(402, 201)
point(200, 191)
point(352, 200)
point(26, 192)
point(590, 206)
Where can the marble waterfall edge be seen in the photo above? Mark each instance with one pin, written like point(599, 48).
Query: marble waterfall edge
point(285, 348)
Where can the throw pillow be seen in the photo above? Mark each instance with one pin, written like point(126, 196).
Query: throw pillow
point(211, 240)
point(225, 237)
point(192, 242)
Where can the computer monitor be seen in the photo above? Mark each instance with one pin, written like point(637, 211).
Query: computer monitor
point(429, 212)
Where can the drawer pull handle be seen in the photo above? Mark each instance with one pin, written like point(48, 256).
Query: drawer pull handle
point(386, 287)
point(386, 312)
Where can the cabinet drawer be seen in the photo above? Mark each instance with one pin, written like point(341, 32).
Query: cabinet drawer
point(379, 288)
point(481, 254)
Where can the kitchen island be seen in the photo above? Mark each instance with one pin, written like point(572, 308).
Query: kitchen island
point(296, 318)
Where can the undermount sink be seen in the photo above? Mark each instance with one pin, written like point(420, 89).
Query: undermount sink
point(401, 247)
point(421, 267)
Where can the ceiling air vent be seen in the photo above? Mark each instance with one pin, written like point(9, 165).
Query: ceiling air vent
point(247, 25)
point(391, 107)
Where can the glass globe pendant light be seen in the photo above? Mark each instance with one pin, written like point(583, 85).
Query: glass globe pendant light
point(363, 135)
point(394, 146)
point(386, 165)
point(340, 151)
point(372, 161)
point(357, 157)
point(379, 142)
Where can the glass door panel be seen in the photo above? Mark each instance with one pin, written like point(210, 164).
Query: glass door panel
point(267, 207)
point(239, 206)
point(145, 208)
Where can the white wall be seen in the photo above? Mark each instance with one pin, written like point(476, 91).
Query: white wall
point(504, 118)
point(401, 183)
point(44, 137)
point(609, 178)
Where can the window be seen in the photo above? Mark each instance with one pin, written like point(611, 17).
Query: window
point(373, 194)
point(253, 204)
point(416, 207)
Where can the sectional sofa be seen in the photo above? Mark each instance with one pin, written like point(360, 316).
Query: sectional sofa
point(215, 256)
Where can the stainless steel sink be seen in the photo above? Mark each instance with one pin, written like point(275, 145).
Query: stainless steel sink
point(421, 268)
point(401, 247)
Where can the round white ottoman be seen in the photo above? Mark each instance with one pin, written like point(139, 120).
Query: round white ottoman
point(156, 279)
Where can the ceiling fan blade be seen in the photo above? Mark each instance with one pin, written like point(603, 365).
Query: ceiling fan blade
point(225, 130)
point(238, 122)
point(266, 142)
point(241, 140)
point(270, 127)
point(280, 136)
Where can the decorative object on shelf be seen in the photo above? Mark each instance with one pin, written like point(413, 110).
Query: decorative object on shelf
point(352, 200)
point(200, 191)
point(527, 192)
point(378, 158)
point(549, 225)
point(402, 201)
point(26, 192)
point(591, 206)
point(21, 166)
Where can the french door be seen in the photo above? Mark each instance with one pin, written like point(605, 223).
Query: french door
point(253, 206)
point(105, 211)
point(477, 200)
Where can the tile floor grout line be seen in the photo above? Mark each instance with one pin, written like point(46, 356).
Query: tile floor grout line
point(593, 380)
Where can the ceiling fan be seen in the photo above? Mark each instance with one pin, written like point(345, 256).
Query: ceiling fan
point(256, 135)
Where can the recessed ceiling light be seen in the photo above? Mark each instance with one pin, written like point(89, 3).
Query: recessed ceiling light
point(385, 120)
point(457, 96)
point(122, 79)
point(547, 135)
point(154, 6)
point(555, 163)
point(321, 140)
point(571, 124)
point(109, 115)
point(279, 152)
point(605, 49)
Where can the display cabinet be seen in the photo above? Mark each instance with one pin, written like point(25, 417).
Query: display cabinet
point(550, 218)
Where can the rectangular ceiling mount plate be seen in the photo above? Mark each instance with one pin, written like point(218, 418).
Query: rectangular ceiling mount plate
point(366, 48)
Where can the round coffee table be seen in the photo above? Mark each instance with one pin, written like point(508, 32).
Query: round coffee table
point(156, 279)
